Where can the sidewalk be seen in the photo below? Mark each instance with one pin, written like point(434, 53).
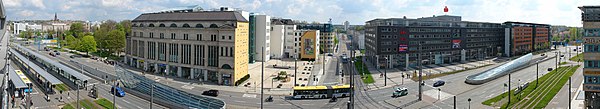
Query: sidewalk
point(190, 84)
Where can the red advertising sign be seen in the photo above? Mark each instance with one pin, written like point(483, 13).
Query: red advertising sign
point(456, 43)
point(402, 48)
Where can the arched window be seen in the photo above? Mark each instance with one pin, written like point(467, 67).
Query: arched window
point(213, 26)
point(199, 26)
point(226, 66)
point(151, 25)
point(141, 25)
point(186, 25)
point(173, 25)
point(161, 25)
point(134, 25)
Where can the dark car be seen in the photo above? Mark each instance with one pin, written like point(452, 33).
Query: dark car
point(439, 83)
point(213, 93)
point(74, 56)
point(330, 54)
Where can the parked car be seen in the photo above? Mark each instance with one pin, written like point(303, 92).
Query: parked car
point(400, 92)
point(439, 83)
point(213, 93)
point(75, 56)
point(56, 52)
point(120, 92)
point(52, 54)
point(330, 54)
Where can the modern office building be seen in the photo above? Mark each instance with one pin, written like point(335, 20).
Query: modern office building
point(590, 15)
point(260, 28)
point(204, 45)
point(326, 32)
point(522, 38)
point(283, 39)
point(308, 45)
point(439, 40)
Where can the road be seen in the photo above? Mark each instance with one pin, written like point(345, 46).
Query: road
point(129, 101)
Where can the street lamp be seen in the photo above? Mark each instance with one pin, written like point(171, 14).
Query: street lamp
point(385, 72)
point(262, 75)
point(537, 73)
point(152, 93)
point(469, 102)
point(295, 69)
point(439, 91)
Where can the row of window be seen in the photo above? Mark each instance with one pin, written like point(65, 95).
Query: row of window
point(591, 80)
point(185, 36)
point(591, 48)
point(175, 25)
point(592, 64)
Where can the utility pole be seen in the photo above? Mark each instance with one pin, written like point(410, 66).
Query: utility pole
point(295, 69)
point(152, 94)
point(262, 75)
point(537, 73)
point(508, 88)
point(569, 92)
point(114, 95)
point(420, 74)
point(77, 85)
point(385, 72)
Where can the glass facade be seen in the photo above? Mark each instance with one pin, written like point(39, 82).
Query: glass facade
point(499, 71)
point(165, 93)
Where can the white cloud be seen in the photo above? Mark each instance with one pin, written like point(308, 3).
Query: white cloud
point(26, 13)
point(38, 3)
point(12, 3)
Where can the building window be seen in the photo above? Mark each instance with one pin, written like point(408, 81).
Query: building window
point(230, 38)
point(162, 35)
point(223, 37)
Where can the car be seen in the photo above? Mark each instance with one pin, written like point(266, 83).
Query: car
point(543, 54)
point(330, 54)
point(400, 92)
point(52, 54)
point(120, 92)
point(213, 93)
point(439, 83)
point(75, 56)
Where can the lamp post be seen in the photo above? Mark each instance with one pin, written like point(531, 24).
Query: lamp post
point(469, 102)
point(537, 73)
point(295, 69)
point(262, 75)
point(439, 91)
point(420, 74)
point(385, 72)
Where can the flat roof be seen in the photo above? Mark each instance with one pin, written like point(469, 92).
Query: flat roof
point(53, 80)
point(56, 64)
point(310, 88)
point(16, 80)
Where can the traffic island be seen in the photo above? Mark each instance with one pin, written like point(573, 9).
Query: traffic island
point(534, 96)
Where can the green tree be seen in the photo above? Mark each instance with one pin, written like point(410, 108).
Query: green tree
point(101, 34)
point(76, 29)
point(126, 26)
point(72, 42)
point(88, 44)
point(115, 41)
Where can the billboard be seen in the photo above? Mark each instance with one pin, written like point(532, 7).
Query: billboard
point(456, 43)
point(308, 47)
point(402, 48)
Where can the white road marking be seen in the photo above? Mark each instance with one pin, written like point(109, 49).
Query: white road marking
point(249, 95)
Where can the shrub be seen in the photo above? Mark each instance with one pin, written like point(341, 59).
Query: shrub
point(242, 80)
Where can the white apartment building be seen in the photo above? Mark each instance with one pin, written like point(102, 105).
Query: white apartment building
point(282, 39)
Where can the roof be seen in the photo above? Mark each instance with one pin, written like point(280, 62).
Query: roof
point(16, 80)
point(56, 64)
point(47, 76)
point(192, 16)
point(310, 88)
point(282, 22)
point(340, 86)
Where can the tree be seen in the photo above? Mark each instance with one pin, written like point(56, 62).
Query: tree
point(88, 44)
point(115, 41)
point(76, 29)
point(72, 42)
point(126, 26)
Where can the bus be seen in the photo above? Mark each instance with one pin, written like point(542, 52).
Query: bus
point(25, 80)
point(322, 92)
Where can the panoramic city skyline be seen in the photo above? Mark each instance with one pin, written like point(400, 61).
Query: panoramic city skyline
point(357, 12)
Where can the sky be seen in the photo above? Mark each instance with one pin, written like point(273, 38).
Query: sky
point(554, 12)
